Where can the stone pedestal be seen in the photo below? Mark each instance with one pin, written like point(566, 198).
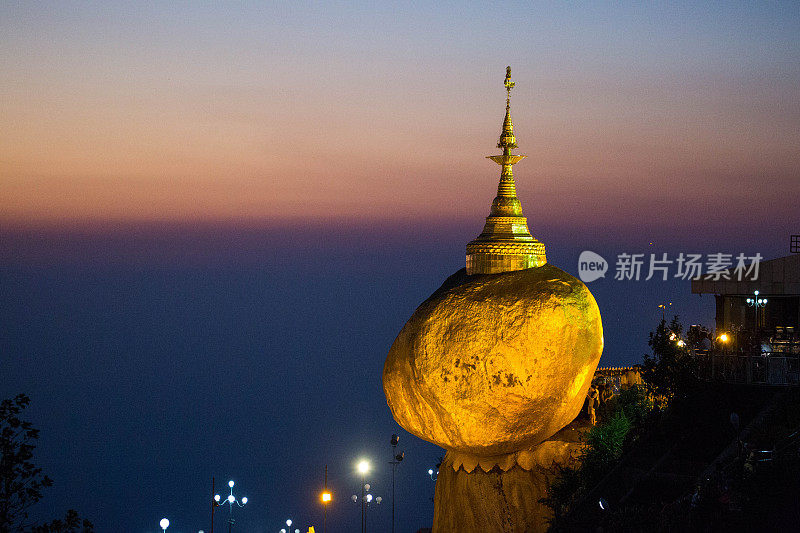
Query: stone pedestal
point(500, 494)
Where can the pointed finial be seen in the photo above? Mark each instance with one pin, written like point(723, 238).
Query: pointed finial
point(509, 85)
point(505, 244)
point(507, 140)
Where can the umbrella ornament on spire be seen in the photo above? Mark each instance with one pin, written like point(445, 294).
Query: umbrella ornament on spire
point(505, 244)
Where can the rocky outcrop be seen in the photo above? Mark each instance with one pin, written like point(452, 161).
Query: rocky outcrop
point(494, 364)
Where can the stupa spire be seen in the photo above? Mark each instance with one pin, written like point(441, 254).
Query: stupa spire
point(507, 140)
point(505, 244)
point(506, 203)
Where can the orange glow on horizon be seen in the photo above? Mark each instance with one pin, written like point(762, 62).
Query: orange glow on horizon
point(232, 128)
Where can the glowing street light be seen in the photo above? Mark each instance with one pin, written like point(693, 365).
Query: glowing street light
point(326, 498)
point(363, 467)
point(164, 524)
point(724, 337)
point(756, 302)
point(366, 499)
point(230, 500)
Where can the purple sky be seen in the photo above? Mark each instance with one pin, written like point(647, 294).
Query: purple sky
point(215, 218)
point(627, 113)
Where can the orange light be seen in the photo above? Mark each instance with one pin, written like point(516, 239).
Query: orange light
point(724, 337)
point(326, 497)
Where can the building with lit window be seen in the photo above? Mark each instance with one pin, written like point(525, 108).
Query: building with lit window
point(778, 283)
point(757, 337)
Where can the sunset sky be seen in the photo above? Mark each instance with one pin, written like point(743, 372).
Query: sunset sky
point(215, 217)
point(253, 111)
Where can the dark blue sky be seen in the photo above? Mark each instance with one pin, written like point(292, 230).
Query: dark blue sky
point(157, 357)
point(158, 354)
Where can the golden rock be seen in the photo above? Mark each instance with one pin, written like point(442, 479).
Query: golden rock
point(492, 364)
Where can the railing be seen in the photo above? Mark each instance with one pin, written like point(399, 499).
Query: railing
point(620, 376)
point(777, 369)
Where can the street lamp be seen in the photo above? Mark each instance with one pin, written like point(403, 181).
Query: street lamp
point(326, 498)
point(164, 524)
point(366, 499)
point(756, 302)
point(363, 468)
point(230, 500)
point(396, 458)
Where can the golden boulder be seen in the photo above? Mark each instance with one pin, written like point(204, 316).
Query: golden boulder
point(491, 364)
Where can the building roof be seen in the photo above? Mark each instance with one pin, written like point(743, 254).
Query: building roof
point(780, 276)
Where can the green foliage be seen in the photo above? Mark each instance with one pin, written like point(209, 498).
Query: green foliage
point(637, 405)
point(563, 490)
point(671, 371)
point(21, 482)
point(604, 445)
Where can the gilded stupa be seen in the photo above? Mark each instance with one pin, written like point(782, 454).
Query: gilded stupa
point(493, 365)
point(505, 244)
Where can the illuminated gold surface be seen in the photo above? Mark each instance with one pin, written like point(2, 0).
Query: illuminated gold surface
point(497, 360)
point(493, 364)
point(509, 495)
point(505, 244)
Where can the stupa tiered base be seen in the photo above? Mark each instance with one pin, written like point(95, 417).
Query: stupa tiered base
point(504, 246)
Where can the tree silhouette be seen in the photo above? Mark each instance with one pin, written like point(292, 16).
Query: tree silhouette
point(671, 372)
point(72, 523)
point(21, 482)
